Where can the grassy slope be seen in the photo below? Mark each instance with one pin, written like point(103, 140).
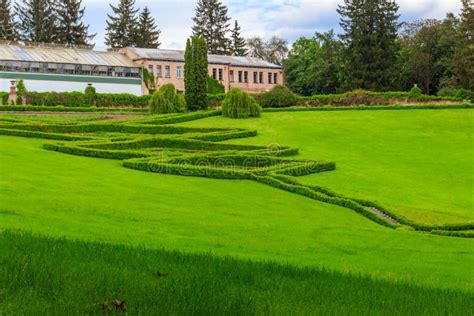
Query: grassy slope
point(47, 276)
point(417, 163)
point(94, 199)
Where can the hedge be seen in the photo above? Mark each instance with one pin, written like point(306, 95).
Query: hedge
point(4, 98)
point(373, 107)
point(30, 108)
point(95, 153)
point(79, 99)
point(36, 134)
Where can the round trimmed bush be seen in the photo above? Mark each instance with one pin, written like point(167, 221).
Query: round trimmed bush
point(279, 97)
point(238, 104)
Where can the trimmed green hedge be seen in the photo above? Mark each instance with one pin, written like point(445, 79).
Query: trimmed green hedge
point(30, 108)
point(96, 153)
point(373, 107)
point(36, 134)
point(4, 98)
point(79, 99)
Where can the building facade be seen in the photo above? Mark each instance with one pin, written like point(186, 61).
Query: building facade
point(46, 69)
point(250, 74)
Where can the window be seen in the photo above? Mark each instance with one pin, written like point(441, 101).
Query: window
point(214, 73)
point(240, 76)
point(150, 69)
point(231, 76)
point(270, 75)
point(260, 77)
point(246, 76)
point(255, 77)
point(167, 71)
point(178, 72)
point(158, 71)
point(275, 78)
point(221, 74)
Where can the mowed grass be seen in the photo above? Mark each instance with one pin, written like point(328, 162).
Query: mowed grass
point(91, 199)
point(43, 276)
point(418, 163)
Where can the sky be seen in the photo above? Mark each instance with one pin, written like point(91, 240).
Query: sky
point(289, 19)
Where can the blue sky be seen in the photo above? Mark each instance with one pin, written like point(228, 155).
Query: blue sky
point(289, 19)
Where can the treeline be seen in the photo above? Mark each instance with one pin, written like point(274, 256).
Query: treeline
point(376, 52)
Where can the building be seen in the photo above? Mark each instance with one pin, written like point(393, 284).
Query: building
point(248, 73)
point(45, 69)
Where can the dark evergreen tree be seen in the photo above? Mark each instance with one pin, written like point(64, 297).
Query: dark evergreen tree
point(8, 26)
point(195, 73)
point(121, 27)
point(148, 33)
point(370, 33)
point(71, 30)
point(239, 46)
point(37, 20)
point(463, 59)
point(212, 23)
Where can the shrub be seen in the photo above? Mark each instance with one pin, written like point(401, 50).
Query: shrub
point(416, 91)
point(279, 96)
point(19, 100)
point(238, 104)
point(90, 95)
point(180, 103)
point(159, 104)
point(214, 86)
point(176, 101)
point(20, 87)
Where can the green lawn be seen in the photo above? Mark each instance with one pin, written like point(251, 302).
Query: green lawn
point(98, 200)
point(44, 276)
point(418, 163)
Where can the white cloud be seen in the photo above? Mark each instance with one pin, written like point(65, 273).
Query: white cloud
point(289, 19)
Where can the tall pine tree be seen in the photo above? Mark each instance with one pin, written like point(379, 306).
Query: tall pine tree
point(195, 73)
point(8, 26)
point(212, 23)
point(121, 27)
point(463, 59)
point(37, 20)
point(71, 30)
point(147, 31)
point(370, 28)
point(239, 46)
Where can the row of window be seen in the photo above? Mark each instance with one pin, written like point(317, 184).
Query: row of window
point(159, 71)
point(69, 69)
point(218, 74)
point(243, 76)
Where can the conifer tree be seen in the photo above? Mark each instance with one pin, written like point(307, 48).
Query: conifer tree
point(463, 59)
point(37, 20)
point(195, 73)
point(121, 27)
point(212, 23)
point(370, 28)
point(8, 26)
point(148, 33)
point(239, 46)
point(71, 30)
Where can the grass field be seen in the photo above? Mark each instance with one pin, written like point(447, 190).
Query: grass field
point(47, 276)
point(98, 200)
point(417, 163)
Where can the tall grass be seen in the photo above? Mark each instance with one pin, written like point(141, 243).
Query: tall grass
point(39, 275)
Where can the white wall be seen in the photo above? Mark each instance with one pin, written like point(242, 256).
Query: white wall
point(62, 86)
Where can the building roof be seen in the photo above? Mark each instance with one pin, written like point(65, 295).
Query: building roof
point(178, 55)
point(64, 56)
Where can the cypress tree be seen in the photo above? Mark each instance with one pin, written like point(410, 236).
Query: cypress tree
point(37, 20)
point(212, 23)
point(239, 46)
point(371, 28)
point(121, 31)
point(8, 26)
point(148, 33)
point(196, 72)
point(71, 30)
